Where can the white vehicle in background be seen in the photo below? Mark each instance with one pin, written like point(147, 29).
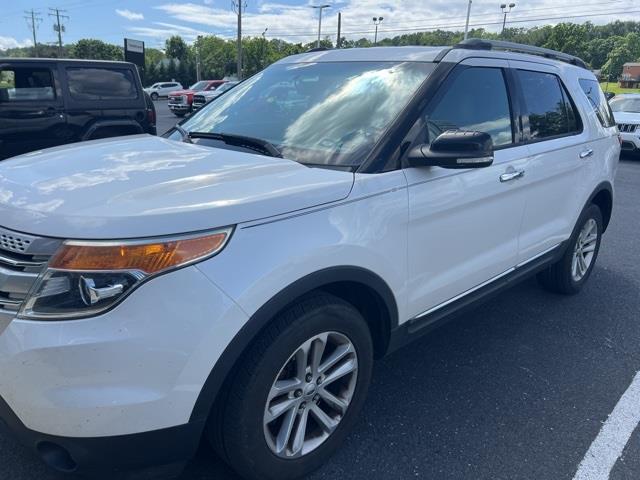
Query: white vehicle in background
point(162, 89)
point(203, 98)
point(626, 111)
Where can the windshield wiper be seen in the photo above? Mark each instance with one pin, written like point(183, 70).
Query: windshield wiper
point(184, 133)
point(251, 143)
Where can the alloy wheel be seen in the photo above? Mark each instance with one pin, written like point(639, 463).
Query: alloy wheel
point(310, 395)
point(584, 250)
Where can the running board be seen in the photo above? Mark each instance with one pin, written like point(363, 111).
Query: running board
point(443, 313)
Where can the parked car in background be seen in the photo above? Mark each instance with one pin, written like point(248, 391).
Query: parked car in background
point(49, 102)
point(202, 98)
point(180, 102)
point(626, 111)
point(163, 89)
point(235, 279)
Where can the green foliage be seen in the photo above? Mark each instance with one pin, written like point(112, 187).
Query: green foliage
point(96, 50)
point(605, 47)
point(176, 47)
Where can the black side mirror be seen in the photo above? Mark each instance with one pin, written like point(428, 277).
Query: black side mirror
point(454, 149)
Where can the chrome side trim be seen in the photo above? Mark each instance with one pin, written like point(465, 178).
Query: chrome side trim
point(483, 284)
point(12, 262)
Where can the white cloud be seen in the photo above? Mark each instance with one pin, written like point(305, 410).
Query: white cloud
point(299, 23)
point(129, 15)
point(10, 42)
point(161, 31)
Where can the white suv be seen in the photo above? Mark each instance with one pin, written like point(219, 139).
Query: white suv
point(162, 89)
point(626, 111)
point(239, 277)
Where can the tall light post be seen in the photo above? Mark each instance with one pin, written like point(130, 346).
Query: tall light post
point(320, 8)
point(466, 26)
point(263, 47)
point(377, 21)
point(505, 10)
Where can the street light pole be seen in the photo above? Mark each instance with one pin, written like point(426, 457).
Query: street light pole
point(466, 26)
point(377, 21)
point(320, 8)
point(505, 11)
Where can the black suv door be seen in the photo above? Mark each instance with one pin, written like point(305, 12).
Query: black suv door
point(31, 108)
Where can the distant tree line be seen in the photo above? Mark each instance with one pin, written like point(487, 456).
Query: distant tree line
point(603, 47)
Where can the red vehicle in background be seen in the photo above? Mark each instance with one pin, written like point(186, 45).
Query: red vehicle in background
point(180, 102)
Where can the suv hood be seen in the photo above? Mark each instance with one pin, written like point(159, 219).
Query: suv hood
point(143, 186)
point(627, 117)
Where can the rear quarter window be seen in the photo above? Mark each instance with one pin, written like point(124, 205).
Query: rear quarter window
point(551, 112)
point(89, 84)
point(598, 102)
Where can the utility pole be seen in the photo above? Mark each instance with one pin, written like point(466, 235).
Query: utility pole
point(376, 21)
point(339, 41)
point(58, 27)
point(198, 73)
point(505, 10)
point(33, 19)
point(320, 8)
point(263, 48)
point(466, 26)
point(238, 6)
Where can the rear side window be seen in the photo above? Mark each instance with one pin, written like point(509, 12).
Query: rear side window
point(26, 84)
point(475, 100)
point(551, 112)
point(598, 101)
point(101, 84)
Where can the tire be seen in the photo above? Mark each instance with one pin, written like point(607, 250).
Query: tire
point(561, 276)
point(242, 435)
point(154, 96)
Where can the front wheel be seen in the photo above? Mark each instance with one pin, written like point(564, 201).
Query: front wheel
point(297, 392)
point(571, 272)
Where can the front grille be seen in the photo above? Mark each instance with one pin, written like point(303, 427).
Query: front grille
point(627, 128)
point(22, 259)
point(177, 100)
point(199, 100)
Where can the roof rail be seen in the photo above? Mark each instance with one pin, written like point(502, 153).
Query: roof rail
point(318, 49)
point(479, 44)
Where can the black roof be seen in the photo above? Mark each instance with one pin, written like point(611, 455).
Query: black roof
point(5, 60)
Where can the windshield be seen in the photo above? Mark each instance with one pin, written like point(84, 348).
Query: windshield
point(225, 86)
point(198, 86)
point(631, 105)
point(328, 113)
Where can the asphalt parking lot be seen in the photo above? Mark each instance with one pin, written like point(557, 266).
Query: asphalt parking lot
point(517, 389)
point(164, 118)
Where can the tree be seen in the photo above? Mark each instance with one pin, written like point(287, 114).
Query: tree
point(615, 61)
point(95, 50)
point(176, 47)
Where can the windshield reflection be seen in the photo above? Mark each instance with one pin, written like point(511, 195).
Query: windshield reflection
point(321, 113)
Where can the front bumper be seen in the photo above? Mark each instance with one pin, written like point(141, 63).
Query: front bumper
point(630, 141)
point(128, 377)
point(179, 107)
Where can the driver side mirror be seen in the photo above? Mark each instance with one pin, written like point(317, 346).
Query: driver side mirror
point(454, 149)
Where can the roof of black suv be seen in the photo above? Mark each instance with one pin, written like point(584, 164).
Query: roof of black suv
point(5, 60)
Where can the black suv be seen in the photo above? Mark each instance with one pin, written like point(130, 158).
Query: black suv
point(49, 102)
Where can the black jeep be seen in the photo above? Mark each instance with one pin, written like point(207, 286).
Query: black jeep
point(49, 102)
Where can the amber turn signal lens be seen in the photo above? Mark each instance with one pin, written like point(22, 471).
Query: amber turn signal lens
point(148, 258)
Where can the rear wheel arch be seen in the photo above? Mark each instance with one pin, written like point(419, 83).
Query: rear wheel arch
point(360, 287)
point(602, 196)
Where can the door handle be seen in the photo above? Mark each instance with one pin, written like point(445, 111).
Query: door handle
point(507, 177)
point(587, 153)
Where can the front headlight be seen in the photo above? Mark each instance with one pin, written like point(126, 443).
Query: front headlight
point(86, 278)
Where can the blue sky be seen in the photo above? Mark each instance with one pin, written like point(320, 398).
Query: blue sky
point(155, 20)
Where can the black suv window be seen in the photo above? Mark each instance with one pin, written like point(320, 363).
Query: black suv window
point(475, 100)
point(101, 83)
point(598, 101)
point(26, 84)
point(551, 112)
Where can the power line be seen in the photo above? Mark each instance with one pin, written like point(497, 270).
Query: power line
point(58, 27)
point(33, 19)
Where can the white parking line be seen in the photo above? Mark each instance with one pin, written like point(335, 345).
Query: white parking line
point(614, 435)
